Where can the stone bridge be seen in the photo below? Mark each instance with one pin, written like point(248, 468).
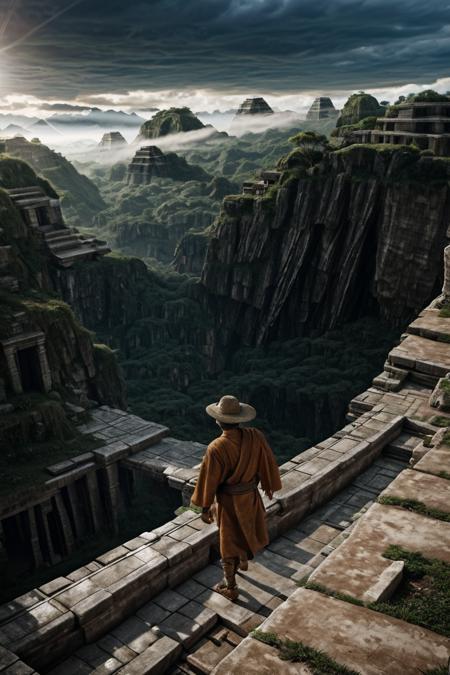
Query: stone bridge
point(148, 606)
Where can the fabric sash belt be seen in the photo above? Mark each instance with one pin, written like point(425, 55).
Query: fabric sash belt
point(239, 488)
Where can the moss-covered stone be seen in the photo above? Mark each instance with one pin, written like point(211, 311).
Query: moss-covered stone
point(171, 121)
point(80, 198)
point(358, 107)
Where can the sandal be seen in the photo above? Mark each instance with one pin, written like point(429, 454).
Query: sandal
point(228, 593)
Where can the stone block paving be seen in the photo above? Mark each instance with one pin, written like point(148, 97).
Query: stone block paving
point(191, 627)
point(171, 460)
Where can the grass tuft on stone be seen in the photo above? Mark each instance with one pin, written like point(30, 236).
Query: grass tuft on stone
point(440, 421)
point(414, 505)
point(290, 650)
point(423, 597)
point(312, 586)
point(444, 312)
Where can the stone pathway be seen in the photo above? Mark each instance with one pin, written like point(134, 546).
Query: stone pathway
point(185, 623)
point(148, 605)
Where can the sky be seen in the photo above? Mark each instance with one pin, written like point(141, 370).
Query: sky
point(210, 54)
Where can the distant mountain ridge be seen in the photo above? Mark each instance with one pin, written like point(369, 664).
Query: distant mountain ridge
point(106, 119)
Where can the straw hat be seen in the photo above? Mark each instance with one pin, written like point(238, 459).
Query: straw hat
point(231, 411)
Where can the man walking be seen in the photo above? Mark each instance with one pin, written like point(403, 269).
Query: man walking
point(233, 466)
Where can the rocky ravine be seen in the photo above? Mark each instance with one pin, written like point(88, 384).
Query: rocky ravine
point(361, 233)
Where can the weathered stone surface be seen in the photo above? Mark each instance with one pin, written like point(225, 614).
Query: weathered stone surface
point(155, 660)
point(356, 565)
point(55, 585)
point(153, 614)
point(174, 551)
point(352, 635)
point(116, 648)
point(112, 555)
point(388, 581)
point(231, 614)
point(435, 461)
point(135, 634)
point(210, 652)
point(182, 629)
point(170, 600)
point(7, 658)
point(249, 238)
point(432, 491)
point(256, 658)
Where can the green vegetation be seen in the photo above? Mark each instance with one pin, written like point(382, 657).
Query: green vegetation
point(444, 384)
point(423, 597)
point(23, 457)
point(289, 650)
point(427, 96)
point(170, 121)
point(15, 173)
point(358, 107)
point(444, 474)
point(417, 506)
point(444, 311)
point(80, 198)
point(149, 221)
point(311, 146)
point(300, 387)
point(346, 130)
point(440, 421)
point(312, 586)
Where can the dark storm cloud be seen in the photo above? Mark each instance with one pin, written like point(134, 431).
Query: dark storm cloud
point(278, 45)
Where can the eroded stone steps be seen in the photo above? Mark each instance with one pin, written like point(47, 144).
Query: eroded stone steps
point(401, 448)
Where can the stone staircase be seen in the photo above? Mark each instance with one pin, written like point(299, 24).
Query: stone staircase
point(421, 357)
point(66, 245)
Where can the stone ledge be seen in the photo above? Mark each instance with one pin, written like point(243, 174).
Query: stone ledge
point(351, 635)
point(388, 581)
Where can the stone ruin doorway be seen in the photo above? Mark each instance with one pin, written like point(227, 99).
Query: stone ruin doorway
point(42, 216)
point(27, 363)
point(30, 369)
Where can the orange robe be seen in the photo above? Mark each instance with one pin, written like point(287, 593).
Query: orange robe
point(241, 518)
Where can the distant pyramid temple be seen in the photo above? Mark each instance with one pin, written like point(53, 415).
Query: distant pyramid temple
point(254, 106)
point(112, 139)
point(322, 108)
point(149, 162)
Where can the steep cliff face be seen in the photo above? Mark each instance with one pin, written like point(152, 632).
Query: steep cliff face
point(47, 359)
point(132, 307)
point(361, 233)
